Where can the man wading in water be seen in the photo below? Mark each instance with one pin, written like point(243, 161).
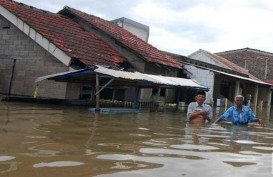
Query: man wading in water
point(199, 112)
point(239, 113)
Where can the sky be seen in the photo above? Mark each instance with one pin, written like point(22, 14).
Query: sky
point(185, 26)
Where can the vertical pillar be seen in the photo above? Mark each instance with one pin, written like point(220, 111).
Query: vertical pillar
point(269, 96)
point(226, 103)
point(178, 91)
point(136, 98)
point(98, 94)
point(114, 94)
point(255, 101)
point(237, 88)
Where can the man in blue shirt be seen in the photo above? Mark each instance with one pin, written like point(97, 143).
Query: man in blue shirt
point(239, 113)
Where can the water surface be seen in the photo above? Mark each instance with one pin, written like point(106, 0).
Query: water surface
point(50, 141)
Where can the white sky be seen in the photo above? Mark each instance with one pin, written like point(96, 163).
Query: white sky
point(184, 26)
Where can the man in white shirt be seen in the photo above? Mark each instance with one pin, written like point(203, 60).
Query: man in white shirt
point(199, 112)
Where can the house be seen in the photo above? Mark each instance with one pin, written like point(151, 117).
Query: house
point(257, 62)
point(225, 79)
point(35, 42)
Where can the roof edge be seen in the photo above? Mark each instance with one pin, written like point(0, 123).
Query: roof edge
point(71, 12)
point(246, 49)
point(37, 37)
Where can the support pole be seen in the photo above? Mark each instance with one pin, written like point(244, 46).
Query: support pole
point(177, 98)
point(237, 88)
point(255, 98)
point(97, 93)
point(269, 97)
point(136, 98)
point(226, 103)
point(103, 87)
point(114, 94)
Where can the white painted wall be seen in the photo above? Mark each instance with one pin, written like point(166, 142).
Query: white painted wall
point(203, 76)
point(201, 55)
point(138, 29)
point(142, 34)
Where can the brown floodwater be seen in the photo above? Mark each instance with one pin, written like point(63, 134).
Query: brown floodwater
point(54, 141)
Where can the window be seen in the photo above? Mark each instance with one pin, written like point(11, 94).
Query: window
point(162, 92)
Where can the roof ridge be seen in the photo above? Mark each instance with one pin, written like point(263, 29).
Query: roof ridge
point(31, 7)
point(66, 34)
point(141, 47)
point(117, 26)
point(246, 49)
point(232, 65)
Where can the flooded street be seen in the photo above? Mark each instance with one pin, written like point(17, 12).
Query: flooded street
point(51, 141)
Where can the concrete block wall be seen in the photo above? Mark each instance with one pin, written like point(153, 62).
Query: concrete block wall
point(217, 86)
point(73, 91)
point(170, 95)
point(145, 94)
point(32, 61)
point(263, 95)
point(5, 74)
point(254, 62)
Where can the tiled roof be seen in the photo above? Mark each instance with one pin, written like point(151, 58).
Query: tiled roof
point(246, 49)
point(259, 63)
point(269, 81)
point(147, 51)
point(229, 64)
point(66, 34)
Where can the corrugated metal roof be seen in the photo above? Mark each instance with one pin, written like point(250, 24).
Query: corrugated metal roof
point(129, 76)
point(241, 77)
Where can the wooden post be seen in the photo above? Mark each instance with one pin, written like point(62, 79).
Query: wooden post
point(98, 95)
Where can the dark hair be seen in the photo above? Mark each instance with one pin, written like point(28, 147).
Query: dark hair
point(201, 92)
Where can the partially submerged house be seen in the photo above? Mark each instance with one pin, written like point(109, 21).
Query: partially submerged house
point(258, 63)
point(35, 42)
point(225, 79)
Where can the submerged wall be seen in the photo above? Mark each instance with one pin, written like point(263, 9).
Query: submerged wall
point(22, 61)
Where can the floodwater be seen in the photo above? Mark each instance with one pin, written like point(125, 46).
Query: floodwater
point(53, 141)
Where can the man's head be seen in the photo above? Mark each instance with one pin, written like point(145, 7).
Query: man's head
point(239, 100)
point(200, 97)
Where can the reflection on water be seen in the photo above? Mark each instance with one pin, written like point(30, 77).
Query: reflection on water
point(69, 141)
point(57, 164)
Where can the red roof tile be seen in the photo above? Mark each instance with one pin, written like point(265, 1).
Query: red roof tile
point(246, 49)
point(66, 34)
point(269, 81)
point(231, 65)
point(149, 53)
